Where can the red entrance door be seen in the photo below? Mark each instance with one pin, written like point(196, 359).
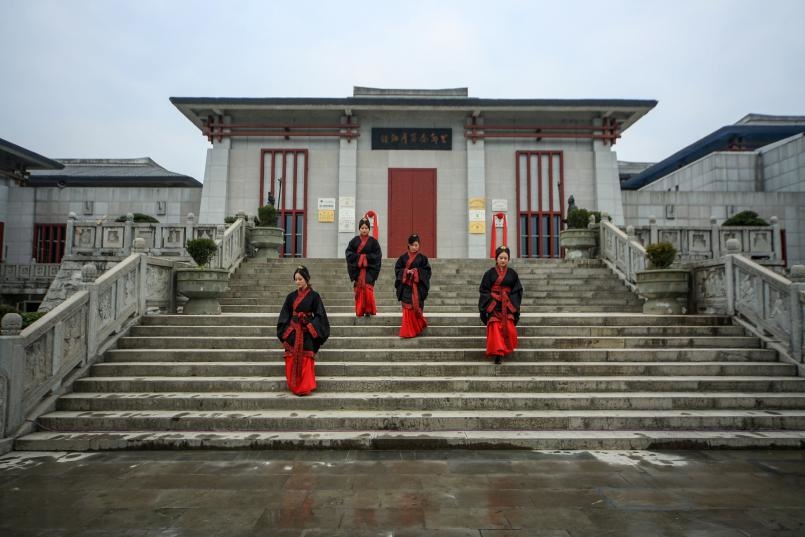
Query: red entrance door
point(412, 209)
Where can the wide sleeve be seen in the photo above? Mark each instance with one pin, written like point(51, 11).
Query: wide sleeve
point(284, 318)
point(399, 267)
point(485, 294)
point(424, 277)
point(516, 295)
point(374, 257)
point(352, 258)
point(320, 323)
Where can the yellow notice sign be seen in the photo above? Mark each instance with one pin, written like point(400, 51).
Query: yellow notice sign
point(326, 215)
point(477, 228)
point(477, 203)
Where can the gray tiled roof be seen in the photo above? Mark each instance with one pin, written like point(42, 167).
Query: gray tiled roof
point(111, 172)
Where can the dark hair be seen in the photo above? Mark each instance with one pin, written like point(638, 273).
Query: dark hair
point(301, 269)
point(502, 248)
point(413, 238)
point(364, 221)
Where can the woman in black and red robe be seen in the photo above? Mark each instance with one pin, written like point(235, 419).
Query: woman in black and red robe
point(499, 304)
point(412, 273)
point(363, 264)
point(302, 327)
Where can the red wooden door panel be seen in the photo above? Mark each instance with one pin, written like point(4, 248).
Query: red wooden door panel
point(412, 209)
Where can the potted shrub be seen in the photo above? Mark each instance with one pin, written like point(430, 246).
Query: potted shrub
point(663, 287)
point(579, 239)
point(203, 286)
point(266, 237)
point(745, 218)
point(139, 218)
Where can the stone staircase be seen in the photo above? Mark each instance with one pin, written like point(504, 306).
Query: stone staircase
point(591, 372)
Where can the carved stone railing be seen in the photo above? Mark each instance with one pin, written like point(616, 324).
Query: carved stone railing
point(27, 278)
point(231, 245)
point(28, 272)
point(621, 252)
point(698, 243)
point(102, 238)
point(772, 304)
point(36, 362)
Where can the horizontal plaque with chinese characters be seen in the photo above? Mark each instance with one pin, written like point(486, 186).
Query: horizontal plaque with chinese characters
point(413, 138)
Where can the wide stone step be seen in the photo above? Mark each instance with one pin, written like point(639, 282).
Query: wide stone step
point(451, 288)
point(446, 384)
point(446, 355)
point(431, 420)
point(527, 319)
point(444, 369)
point(441, 331)
point(232, 401)
point(554, 308)
point(478, 342)
point(472, 302)
point(348, 294)
point(369, 439)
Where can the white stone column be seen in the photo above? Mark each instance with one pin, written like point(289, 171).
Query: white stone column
point(347, 185)
point(607, 181)
point(476, 188)
point(216, 182)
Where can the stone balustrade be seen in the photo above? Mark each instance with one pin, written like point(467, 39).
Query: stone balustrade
point(41, 361)
point(698, 243)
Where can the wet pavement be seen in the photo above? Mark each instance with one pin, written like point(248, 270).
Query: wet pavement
point(403, 493)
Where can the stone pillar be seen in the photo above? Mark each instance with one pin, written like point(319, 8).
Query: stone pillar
point(214, 194)
point(347, 187)
point(476, 188)
point(795, 307)
point(607, 181)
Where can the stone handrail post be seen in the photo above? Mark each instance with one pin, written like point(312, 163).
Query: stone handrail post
point(653, 233)
point(797, 300)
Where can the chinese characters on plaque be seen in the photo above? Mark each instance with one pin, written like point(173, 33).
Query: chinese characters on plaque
point(413, 138)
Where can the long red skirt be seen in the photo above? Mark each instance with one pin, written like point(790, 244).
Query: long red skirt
point(501, 337)
point(301, 379)
point(411, 325)
point(365, 301)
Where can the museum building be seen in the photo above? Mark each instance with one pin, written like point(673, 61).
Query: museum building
point(447, 166)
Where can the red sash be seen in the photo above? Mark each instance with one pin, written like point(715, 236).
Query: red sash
point(500, 295)
point(300, 323)
point(412, 279)
point(360, 283)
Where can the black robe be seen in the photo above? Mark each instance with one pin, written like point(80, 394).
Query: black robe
point(311, 303)
point(374, 257)
point(510, 280)
point(404, 291)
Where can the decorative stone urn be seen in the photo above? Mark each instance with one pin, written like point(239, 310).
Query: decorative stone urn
point(266, 241)
point(578, 243)
point(203, 288)
point(662, 288)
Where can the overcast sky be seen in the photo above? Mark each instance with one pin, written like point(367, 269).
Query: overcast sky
point(92, 79)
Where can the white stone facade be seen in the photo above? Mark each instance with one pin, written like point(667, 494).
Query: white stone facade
point(345, 169)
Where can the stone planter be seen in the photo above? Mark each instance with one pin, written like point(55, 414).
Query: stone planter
point(203, 288)
point(663, 289)
point(266, 241)
point(578, 243)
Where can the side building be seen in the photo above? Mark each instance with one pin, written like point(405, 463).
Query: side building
point(755, 164)
point(435, 162)
point(38, 194)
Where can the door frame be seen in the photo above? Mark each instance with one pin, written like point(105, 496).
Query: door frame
point(431, 251)
point(281, 210)
point(554, 250)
